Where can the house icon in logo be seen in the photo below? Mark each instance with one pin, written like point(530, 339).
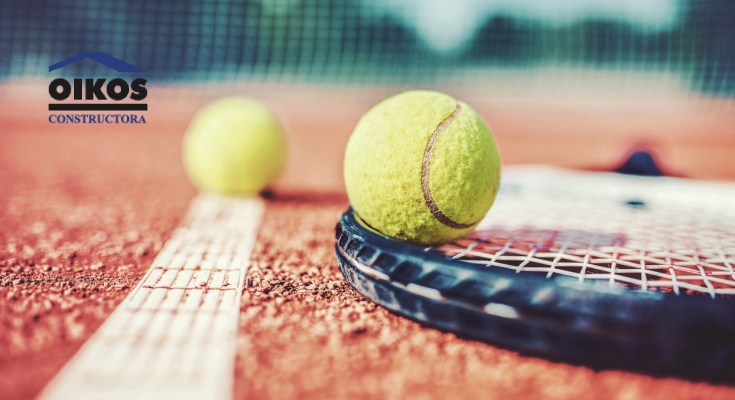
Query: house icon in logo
point(102, 58)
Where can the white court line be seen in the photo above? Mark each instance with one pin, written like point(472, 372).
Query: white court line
point(174, 336)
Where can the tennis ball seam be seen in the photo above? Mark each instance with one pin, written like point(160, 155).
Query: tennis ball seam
point(426, 173)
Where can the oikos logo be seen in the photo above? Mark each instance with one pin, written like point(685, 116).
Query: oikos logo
point(98, 94)
point(95, 89)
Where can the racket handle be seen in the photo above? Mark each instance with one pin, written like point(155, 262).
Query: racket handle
point(640, 162)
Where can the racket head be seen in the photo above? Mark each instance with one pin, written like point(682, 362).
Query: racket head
point(500, 300)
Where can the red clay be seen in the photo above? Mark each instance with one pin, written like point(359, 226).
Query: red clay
point(84, 214)
point(85, 209)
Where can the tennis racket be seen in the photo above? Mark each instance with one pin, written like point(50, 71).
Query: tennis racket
point(603, 269)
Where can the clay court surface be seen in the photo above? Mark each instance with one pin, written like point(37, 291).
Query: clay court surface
point(84, 209)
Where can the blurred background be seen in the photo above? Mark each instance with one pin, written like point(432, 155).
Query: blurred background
point(569, 82)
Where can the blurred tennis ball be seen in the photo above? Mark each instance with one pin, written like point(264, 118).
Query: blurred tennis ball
point(422, 167)
point(235, 146)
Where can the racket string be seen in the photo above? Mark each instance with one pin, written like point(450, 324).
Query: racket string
point(681, 247)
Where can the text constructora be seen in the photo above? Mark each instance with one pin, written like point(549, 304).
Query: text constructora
point(96, 119)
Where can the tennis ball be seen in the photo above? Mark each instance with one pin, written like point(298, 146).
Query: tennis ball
point(235, 146)
point(422, 167)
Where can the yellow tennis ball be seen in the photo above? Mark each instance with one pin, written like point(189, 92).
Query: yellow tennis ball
point(234, 145)
point(422, 167)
